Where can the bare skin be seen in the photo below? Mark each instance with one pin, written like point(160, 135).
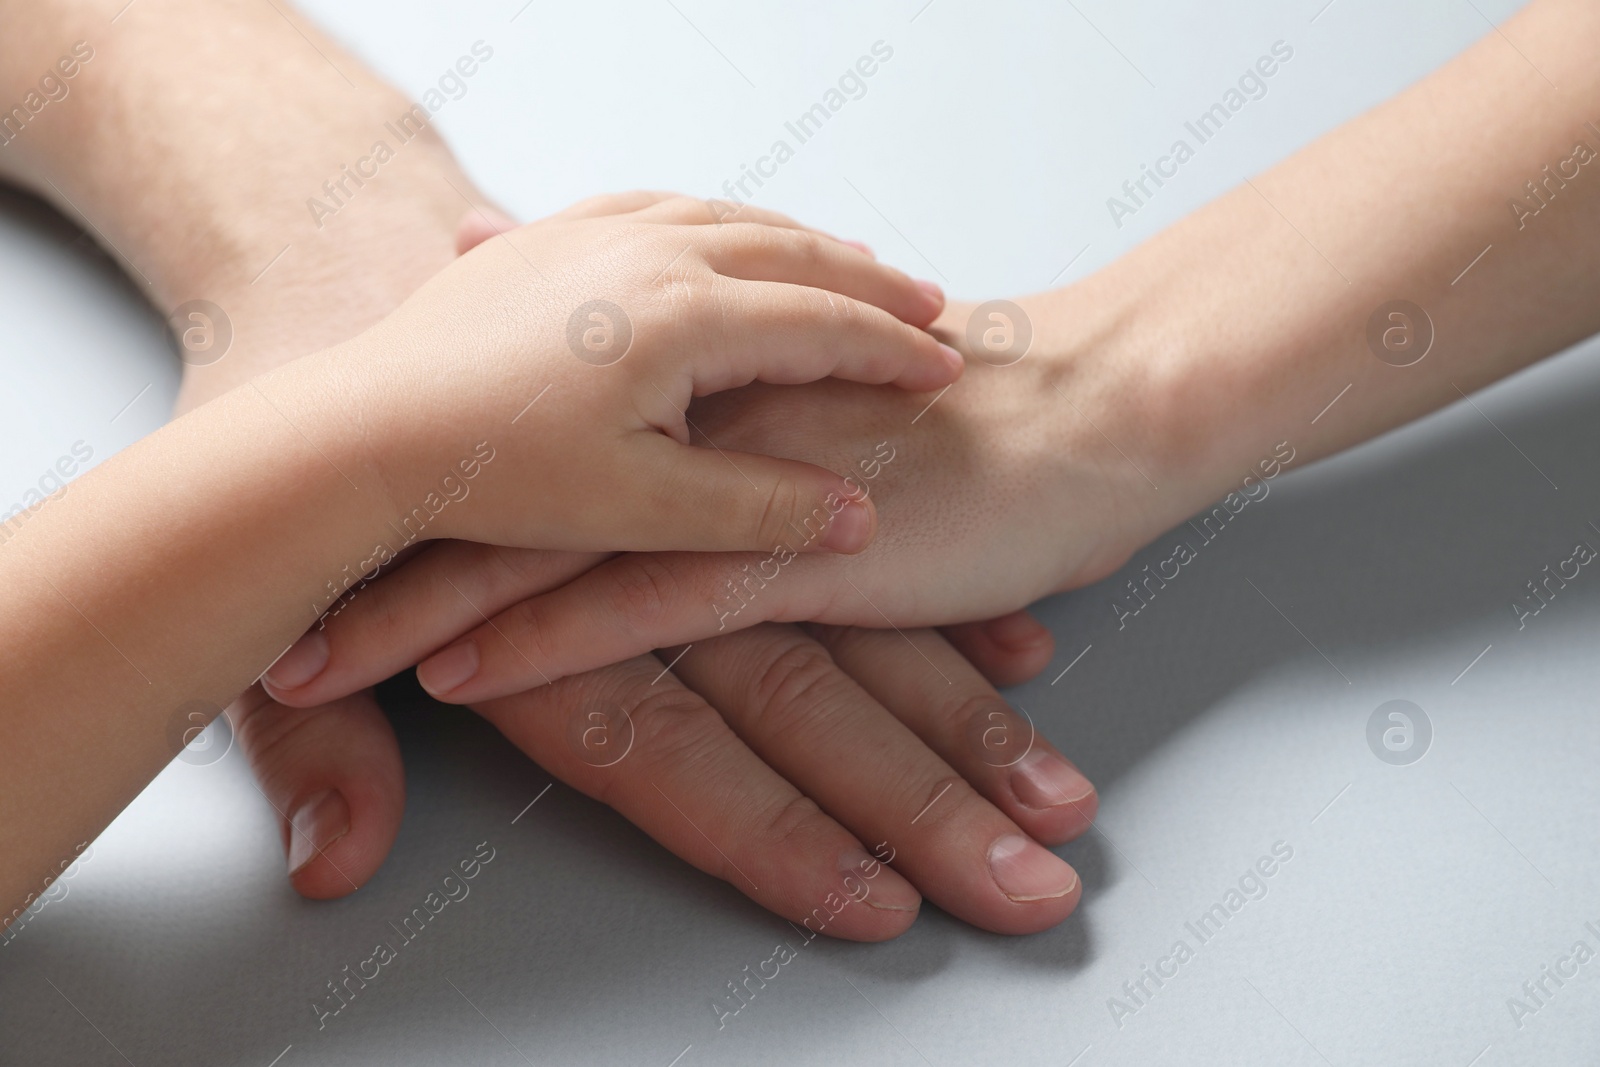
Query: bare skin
point(1230, 332)
point(1195, 367)
point(333, 771)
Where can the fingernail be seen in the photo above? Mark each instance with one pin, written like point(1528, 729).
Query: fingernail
point(303, 662)
point(444, 671)
point(850, 529)
point(315, 825)
point(1025, 872)
point(1045, 780)
point(934, 293)
point(1016, 631)
point(955, 359)
point(861, 247)
point(885, 890)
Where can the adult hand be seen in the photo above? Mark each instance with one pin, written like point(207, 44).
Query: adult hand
point(1021, 480)
point(292, 285)
point(787, 761)
point(798, 727)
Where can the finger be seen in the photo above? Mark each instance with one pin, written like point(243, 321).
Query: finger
point(333, 775)
point(713, 500)
point(723, 502)
point(625, 203)
point(633, 737)
point(804, 257)
point(387, 626)
point(926, 684)
point(791, 334)
point(480, 224)
point(692, 211)
point(687, 211)
point(1009, 650)
point(812, 723)
point(625, 607)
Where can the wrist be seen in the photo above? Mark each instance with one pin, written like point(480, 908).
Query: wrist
point(1077, 400)
point(1136, 374)
point(414, 464)
point(328, 287)
point(1217, 355)
point(249, 196)
point(323, 400)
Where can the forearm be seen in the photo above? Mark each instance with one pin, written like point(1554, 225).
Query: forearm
point(140, 601)
point(1249, 318)
point(192, 143)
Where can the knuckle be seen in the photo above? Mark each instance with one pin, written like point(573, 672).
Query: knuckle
point(794, 682)
point(526, 628)
point(673, 727)
point(779, 514)
point(599, 204)
point(842, 640)
point(976, 708)
point(683, 207)
point(729, 212)
point(795, 825)
point(276, 738)
point(759, 239)
point(644, 592)
point(943, 805)
point(687, 290)
point(986, 731)
point(839, 312)
point(515, 570)
point(810, 249)
point(257, 721)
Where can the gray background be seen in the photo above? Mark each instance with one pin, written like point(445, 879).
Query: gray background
point(1418, 899)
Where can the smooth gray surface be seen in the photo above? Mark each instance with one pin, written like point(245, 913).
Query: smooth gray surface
point(1418, 898)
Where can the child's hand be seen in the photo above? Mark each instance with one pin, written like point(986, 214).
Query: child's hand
point(533, 393)
point(1004, 489)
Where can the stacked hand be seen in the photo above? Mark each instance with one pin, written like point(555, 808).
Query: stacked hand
point(709, 395)
point(769, 745)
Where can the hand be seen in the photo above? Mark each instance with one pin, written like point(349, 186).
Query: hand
point(1002, 491)
point(334, 775)
point(786, 763)
point(332, 772)
point(438, 387)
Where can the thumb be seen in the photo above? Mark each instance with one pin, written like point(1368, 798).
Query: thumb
point(334, 777)
point(712, 500)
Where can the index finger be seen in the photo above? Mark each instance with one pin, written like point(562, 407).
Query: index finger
point(633, 737)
